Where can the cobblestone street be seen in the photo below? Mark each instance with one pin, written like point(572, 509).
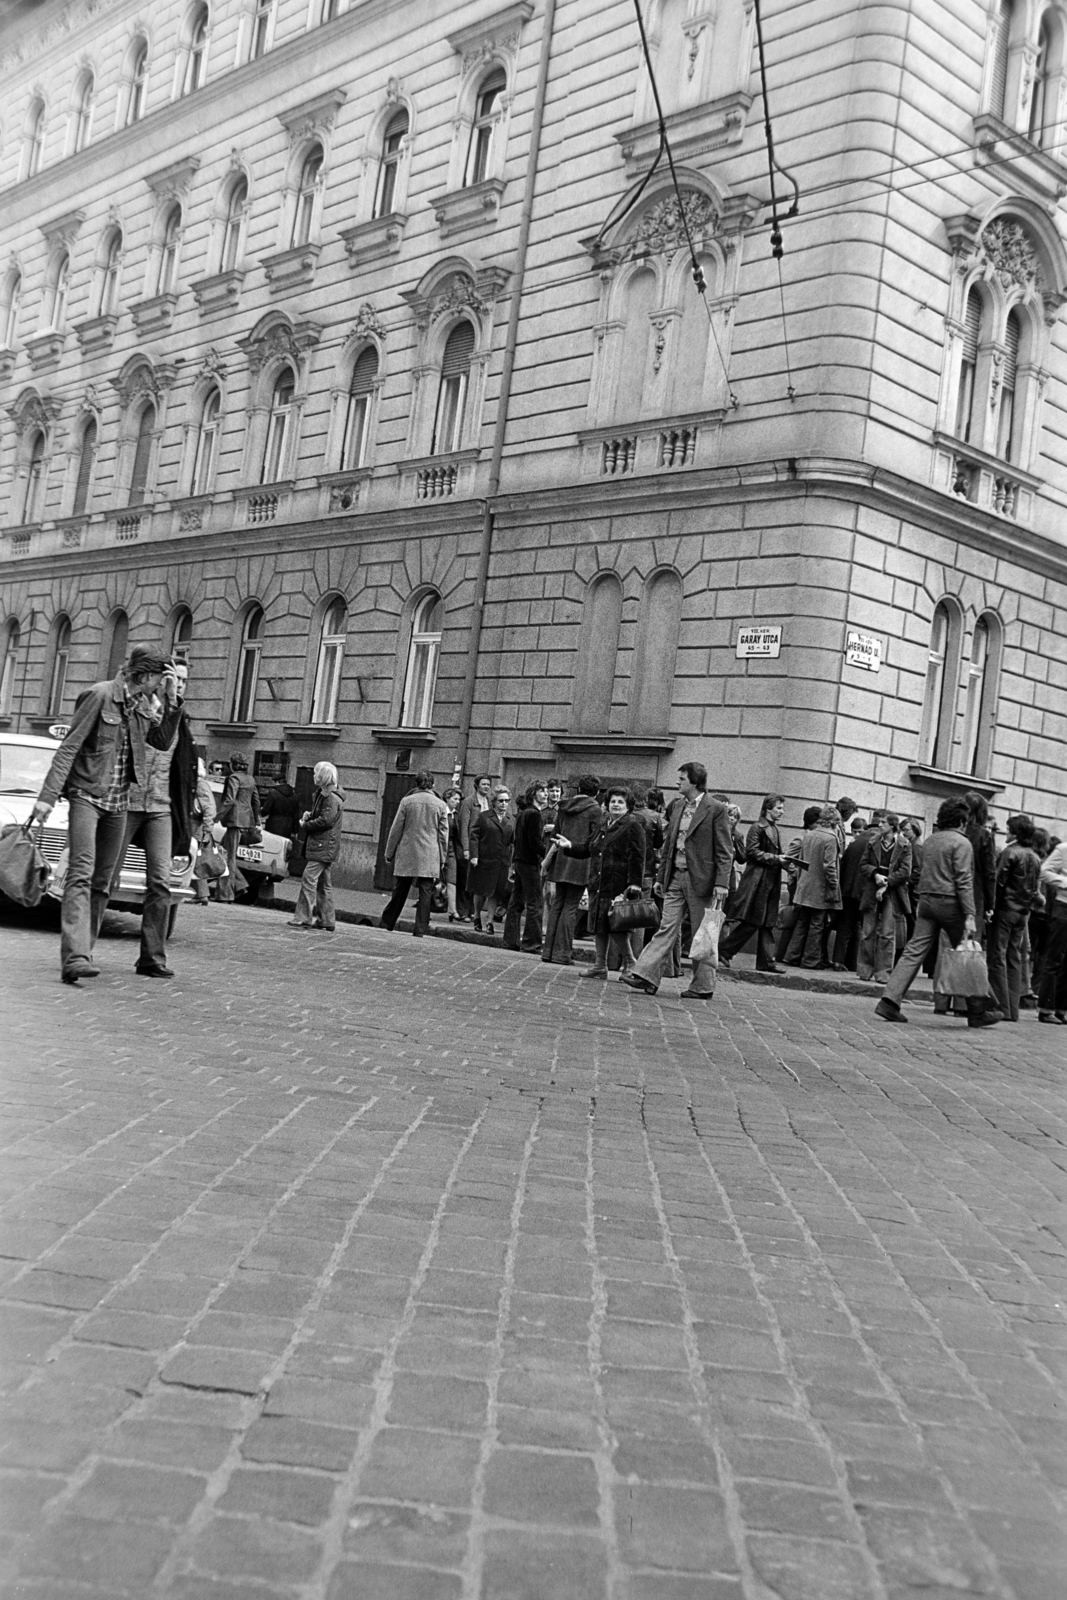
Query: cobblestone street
point(361, 1268)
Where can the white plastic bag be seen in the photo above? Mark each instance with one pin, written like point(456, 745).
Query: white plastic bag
point(705, 946)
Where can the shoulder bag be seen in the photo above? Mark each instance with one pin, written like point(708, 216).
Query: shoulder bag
point(24, 872)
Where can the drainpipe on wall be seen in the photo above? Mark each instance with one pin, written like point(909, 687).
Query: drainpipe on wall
point(500, 426)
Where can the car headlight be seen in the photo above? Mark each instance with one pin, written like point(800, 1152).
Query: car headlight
point(180, 863)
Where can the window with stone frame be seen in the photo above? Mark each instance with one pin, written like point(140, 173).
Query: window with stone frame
point(181, 634)
point(110, 270)
point(81, 113)
point(208, 435)
point(307, 198)
point(58, 659)
point(115, 638)
point(598, 648)
point(233, 228)
point(9, 653)
point(248, 662)
point(1026, 70)
point(453, 390)
point(330, 662)
point(57, 283)
point(10, 306)
point(34, 477)
point(396, 130)
point(33, 138)
point(83, 482)
point(143, 450)
point(192, 61)
point(485, 127)
point(281, 428)
point(136, 81)
point(424, 651)
point(937, 733)
point(262, 29)
point(655, 654)
point(359, 409)
point(170, 243)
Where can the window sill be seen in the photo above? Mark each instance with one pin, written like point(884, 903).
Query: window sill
point(8, 357)
point(1038, 174)
point(41, 724)
point(607, 744)
point(97, 333)
point(934, 780)
point(154, 314)
point(444, 477)
point(20, 539)
point(219, 292)
point(375, 240)
point(313, 730)
point(265, 502)
point(405, 738)
point(693, 132)
point(983, 481)
point(470, 210)
point(233, 730)
point(291, 269)
point(44, 349)
point(662, 444)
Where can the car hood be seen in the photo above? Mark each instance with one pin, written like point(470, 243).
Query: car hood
point(17, 808)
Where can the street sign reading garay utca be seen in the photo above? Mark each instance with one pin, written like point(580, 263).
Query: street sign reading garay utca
point(758, 640)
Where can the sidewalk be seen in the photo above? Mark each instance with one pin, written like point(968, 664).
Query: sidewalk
point(365, 907)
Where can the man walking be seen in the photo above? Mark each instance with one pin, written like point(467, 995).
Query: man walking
point(694, 872)
point(415, 851)
point(94, 766)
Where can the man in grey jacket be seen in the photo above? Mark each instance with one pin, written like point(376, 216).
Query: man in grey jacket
point(415, 851)
point(101, 756)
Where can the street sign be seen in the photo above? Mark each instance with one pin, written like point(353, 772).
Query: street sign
point(863, 650)
point(759, 641)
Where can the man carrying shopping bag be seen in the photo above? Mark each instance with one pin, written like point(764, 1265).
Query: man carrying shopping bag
point(694, 871)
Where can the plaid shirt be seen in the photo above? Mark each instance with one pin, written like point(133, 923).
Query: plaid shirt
point(117, 798)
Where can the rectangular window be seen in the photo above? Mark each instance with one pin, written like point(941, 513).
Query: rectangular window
point(277, 451)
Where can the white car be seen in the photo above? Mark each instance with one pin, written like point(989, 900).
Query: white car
point(265, 862)
point(24, 762)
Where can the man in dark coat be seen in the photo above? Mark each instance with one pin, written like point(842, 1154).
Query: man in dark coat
point(526, 896)
point(884, 899)
point(281, 814)
point(756, 902)
point(576, 821)
point(846, 940)
point(694, 872)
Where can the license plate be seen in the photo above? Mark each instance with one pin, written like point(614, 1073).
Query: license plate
point(250, 855)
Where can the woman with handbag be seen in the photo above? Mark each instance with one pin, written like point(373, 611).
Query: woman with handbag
point(239, 812)
point(617, 851)
point(755, 905)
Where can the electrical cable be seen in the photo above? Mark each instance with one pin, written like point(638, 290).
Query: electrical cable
point(777, 245)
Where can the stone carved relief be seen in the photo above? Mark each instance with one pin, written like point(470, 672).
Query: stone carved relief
point(661, 231)
point(313, 118)
point(60, 233)
point(1010, 251)
point(142, 379)
point(212, 366)
point(280, 339)
point(34, 44)
point(33, 411)
point(368, 323)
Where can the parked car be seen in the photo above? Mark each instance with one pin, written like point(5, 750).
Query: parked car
point(24, 762)
point(264, 863)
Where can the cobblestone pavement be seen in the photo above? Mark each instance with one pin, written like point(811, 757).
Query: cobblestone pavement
point(358, 1268)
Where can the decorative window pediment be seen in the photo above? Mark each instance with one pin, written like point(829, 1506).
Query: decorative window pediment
point(172, 182)
point(495, 35)
point(459, 290)
point(312, 118)
point(61, 232)
point(291, 340)
point(34, 411)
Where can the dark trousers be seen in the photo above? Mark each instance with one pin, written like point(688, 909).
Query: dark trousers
point(234, 882)
point(463, 903)
point(847, 935)
point(525, 896)
point(558, 944)
point(155, 841)
point(931, 916)
point(739, 936)
point(1052, 995)
point(402, 886)
point(805, 948)
point(95, 839)
point(1005, 959)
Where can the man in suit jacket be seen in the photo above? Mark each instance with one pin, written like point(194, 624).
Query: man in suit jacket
point(415, 851)
point(470, 809)
point(694, 871)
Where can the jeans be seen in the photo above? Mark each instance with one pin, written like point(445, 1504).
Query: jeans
point(422, 905)
point(315, 890)
point(656, 956)
point(234, 881)
point(1052, 995)
point(932, 914)
point(805, 948)
point(155, 841)
point(95, 839)
point(558, 946)
point(1005, 959)
point(739, 936)
point(525, 896)
point(878, 941)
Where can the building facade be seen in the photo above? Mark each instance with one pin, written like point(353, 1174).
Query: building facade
point(354, 351)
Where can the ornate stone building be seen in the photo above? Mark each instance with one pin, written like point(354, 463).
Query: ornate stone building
point(342, 348)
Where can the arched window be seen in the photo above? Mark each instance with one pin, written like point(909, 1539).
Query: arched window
point(244, 696)
point(639, 302)
point(423, 655)
point(392, 150)
point(10, 310)
point(167, 276)
point(111, 275)
point(33, 499)
point(196, 49)
point(594, 678)
point(261, 21)
point(1041, 97)
point(207, 444)
point(82, 113)
point(942, 683)
point(57, 681)
point(331, 657)
point(652, 676)
point(357, 413)
point(33, 144)
point(972, 329)
point(452, 394)
point(692, 360)
point(56, 292)
point(330, 9)
point(486, 119)
point(142, 456)
point(278, 450)
point(983, 683)
point(115, 639)
point(9, 651)
point(1009, 372)
point(181, 632)
point(233, 236)
point(138, 86)
point(304, 215)
point(86, 461)
point(998, 85)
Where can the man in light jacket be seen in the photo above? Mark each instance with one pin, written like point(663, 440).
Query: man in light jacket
point(101, 756)
point(415, 851)
point(694, 871)
point(818, 890)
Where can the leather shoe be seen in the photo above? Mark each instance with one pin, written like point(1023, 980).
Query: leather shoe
point(889, 1011)
point(1055, 1017)
point(79, 969)
point(596, 972)
point(694, 994)
point(773, 968)
point(305, 926)
point(632, 981)
point(985, 1019)
point(154, 972)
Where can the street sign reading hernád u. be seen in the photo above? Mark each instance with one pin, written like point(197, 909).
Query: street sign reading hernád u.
point(863, 650)
point(757, 640)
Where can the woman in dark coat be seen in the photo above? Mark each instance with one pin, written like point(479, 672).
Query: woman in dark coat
point(491, 838)
point(758, 894)
point(985, 861)
point(617, 851)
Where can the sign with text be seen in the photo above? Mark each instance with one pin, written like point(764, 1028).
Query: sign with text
point(863, 650)
point(759, 641)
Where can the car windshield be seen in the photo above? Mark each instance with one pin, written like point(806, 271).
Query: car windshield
point(23, 768)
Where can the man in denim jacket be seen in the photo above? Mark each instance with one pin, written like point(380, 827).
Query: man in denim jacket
point(101, 756)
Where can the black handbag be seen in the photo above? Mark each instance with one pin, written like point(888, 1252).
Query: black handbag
point(439, 897)
point(623, 915)
point(250, 836)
